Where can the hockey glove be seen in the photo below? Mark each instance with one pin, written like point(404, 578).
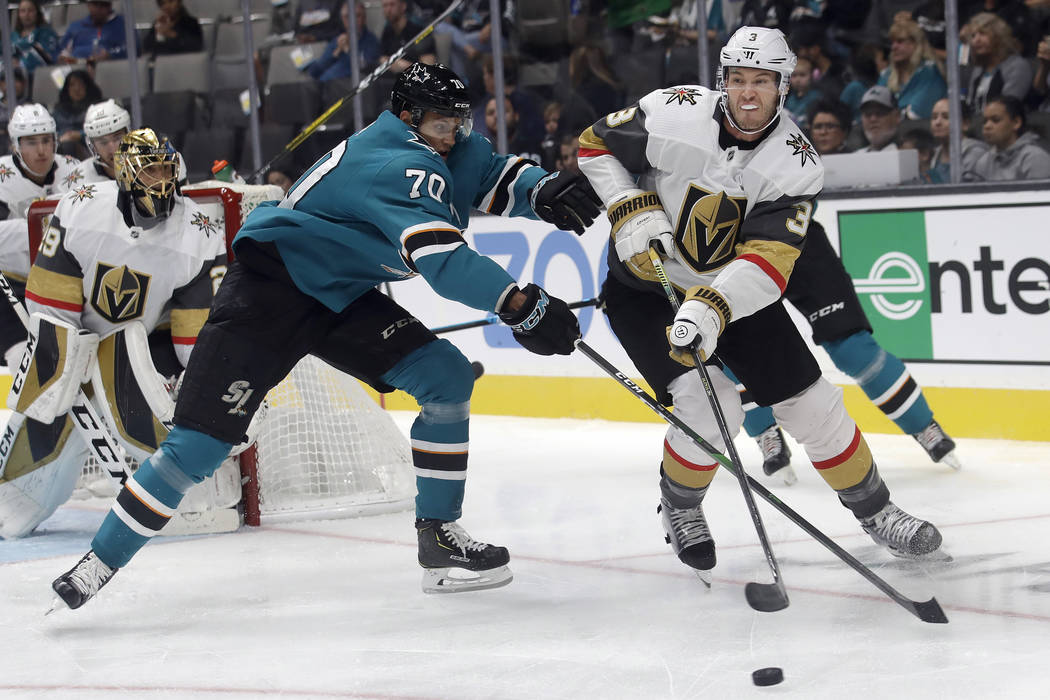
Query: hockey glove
point(638, 219)
point(702, 318)
point(566, 200)
point(543, 324)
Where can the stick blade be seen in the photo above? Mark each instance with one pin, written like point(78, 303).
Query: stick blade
point(766, 597)
point(930, 611)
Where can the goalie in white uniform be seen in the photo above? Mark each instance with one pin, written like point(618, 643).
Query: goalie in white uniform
point(116, 263)
point(31, 172)
point(726, 186)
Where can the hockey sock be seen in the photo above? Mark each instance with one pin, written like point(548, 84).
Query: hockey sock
point(149, 499)
point(680, 496)
point(441, 379)
point(757, 419)
point(884, 378)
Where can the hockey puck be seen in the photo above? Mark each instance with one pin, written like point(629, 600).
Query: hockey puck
point(767, 676)
point(479, 369)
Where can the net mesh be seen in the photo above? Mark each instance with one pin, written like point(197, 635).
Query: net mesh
point(324, 448)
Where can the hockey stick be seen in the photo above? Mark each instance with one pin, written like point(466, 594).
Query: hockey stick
point(104, 448)
point(493, 318)
point(766, 597)
point(927, 611)
point(310, 128)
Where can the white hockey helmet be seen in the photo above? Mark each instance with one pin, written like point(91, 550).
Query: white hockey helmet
point(28, 120)
point(757, 47)
point(105, 118)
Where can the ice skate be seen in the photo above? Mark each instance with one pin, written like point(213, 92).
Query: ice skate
point(453, 561)
point(80, 584)
point(776, 455)
point(938, 444)
point(689, 537)
point(904, 535)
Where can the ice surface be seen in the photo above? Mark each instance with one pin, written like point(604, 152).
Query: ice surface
point(599, 607)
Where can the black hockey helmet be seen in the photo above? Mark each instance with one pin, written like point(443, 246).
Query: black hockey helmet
point(424, 88)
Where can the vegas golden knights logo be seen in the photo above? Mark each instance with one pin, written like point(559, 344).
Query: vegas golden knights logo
point(708, 227)
point(119, 293)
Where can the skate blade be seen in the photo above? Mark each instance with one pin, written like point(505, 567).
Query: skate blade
point(56, 604)
point(952, 461)
point(455, 580)
point(787, 475)
point(704, 576)
point(937, 556)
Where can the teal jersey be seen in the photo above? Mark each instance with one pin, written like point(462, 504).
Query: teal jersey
point(384, 206)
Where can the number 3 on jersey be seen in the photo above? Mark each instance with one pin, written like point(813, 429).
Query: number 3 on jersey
point(799, 223)
point(435, 183)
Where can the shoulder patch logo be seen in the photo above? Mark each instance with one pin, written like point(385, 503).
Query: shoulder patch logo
point(681, 94)
point(73, 178)
point(5, 172)
point(803, 148)
point(119, 293)
point(204, 223)
point(82, 193)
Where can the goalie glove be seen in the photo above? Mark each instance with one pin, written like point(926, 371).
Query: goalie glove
point(638, 219)
point(701, 319)
point(542, 324)
point(567, 200)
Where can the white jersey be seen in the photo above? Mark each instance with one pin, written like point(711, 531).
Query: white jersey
point(17, 192)
point(96, 271)
point(740, 210)
point(90, 170)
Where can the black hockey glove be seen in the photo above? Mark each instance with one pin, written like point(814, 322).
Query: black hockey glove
point(544, 324)
point(566, 200)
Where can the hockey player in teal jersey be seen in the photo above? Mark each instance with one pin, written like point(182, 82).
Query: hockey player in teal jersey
point(387, 204)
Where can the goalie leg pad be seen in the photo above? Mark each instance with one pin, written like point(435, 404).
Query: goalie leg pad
point(57, 360)
point(39, 473)
point(442, 380)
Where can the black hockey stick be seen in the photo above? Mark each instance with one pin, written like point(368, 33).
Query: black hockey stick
point(488, 321)
point(927, 611)
point(310, 128)
point(766, 597)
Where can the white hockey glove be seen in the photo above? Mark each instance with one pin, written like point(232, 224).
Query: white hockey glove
point(638, 219)
point(702, 318)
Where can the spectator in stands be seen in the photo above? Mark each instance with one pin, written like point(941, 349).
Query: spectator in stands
point(21, 92)
point(97, 37)
point(317, 20)
point(879, 118)
point(829, 122)
point(570, 152)
point(996, 68)
point(79, 92)
point(1041, 81)
point(174, 31)
point(550, 146)
point(972, 149)
point(470, 29)
point(913, 76)
point(866, 63)
point(593, 79)
point(920, 140)
point(530, 116)
point(829, 76)
point(517, 143)
point(335, 61)
point(802, 94)
point(33, 41)
point(930, 18)
point(276, 176)
point(398, 31)
point(1015, 153)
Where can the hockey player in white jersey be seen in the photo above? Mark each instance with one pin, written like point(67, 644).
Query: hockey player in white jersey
point(31, 172)
point(105, 124)
point(724, 187)
point(115, 264)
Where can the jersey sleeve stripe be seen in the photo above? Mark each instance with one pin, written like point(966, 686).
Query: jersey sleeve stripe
point(768, 268)
point(591, 152)
point(500, 199)
point(183, 340)
point(424, 251)
point(54, 303)
point(186, 324)
point(591, 141)
point(418, 242)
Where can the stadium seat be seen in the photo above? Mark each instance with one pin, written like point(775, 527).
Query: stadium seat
point(272, 139)
point(201, 147)
point(112, 77)
point(171, 113)
point(283, 68)
point(181, 72)
point(229, 36)
point(45, 91)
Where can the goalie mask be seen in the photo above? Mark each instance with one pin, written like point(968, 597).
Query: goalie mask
point(147, 168)
point(422, 88)
point(762, 48)
point(30, 120)
point(103, 119)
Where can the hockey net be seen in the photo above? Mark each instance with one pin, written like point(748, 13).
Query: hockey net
point(325, 449)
